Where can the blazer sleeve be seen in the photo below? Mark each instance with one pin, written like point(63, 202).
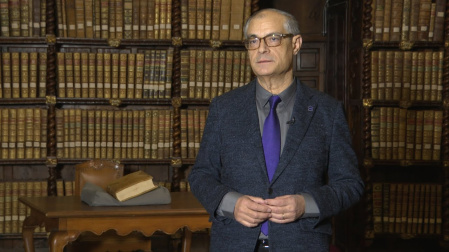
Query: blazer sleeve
point(204, 177)
point(345, 186)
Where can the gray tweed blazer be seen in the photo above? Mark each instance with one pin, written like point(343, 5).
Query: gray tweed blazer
point(317, 159)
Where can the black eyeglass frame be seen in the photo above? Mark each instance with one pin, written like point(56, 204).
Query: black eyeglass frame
point(282, 35)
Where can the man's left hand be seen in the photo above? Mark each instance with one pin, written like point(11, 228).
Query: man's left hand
point(286, 208)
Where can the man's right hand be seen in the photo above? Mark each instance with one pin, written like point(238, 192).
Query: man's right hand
point(251, 211)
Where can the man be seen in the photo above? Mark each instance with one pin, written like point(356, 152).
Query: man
point(315, 172)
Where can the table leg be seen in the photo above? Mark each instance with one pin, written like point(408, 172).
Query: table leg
point(59, 239)
point(186, 240)
point(29, 225)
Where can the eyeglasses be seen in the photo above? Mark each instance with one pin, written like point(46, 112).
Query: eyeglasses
point(271, 40)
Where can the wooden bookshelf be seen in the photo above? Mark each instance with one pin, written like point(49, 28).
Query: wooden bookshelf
point(404, 98)
point(76, 45)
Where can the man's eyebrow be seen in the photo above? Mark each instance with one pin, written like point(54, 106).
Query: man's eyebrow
point(269, 34)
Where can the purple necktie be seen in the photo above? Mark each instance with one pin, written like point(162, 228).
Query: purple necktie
point(271, 140)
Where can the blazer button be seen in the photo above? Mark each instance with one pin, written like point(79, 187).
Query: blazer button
point(270, 190)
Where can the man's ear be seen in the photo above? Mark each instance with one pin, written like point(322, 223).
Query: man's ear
point(297, 43)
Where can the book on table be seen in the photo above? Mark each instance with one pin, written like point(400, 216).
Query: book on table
point(131, 185)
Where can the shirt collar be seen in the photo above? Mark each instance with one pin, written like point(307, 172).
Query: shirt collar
point(286, 96)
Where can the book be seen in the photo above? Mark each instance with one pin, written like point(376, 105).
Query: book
point(440, 9)
point(375, 133)
point(236, 20)
point(225, 17)
point(405, 28)
point(131, 185)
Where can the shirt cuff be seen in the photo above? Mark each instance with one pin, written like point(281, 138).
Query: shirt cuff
point(311, 209)
point(227, 205)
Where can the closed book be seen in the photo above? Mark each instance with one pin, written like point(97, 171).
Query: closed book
point(419, 123)
point(424, 20)
point(440, 9)
point(131, 185)
point(375, 137)
point(378, 19)
point(42, 74)
point(386, 21)
point(414, 15)
point(33, 75)
point(374, 74)
point(396, 19)
point(4, 18)
point(405, 29)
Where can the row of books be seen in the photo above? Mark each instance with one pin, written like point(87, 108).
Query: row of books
point(192, 126)
point(206, 74)
point(23, 18)
point(407, 75)
point(115, 75)
point(12, 212)
point(23, 74)
point(408, 20)
point(126, 134)
point(214, 19)
point(401, 134)
point(407, 208)
point(113, 134)
point(114, 19)
point(23, 133)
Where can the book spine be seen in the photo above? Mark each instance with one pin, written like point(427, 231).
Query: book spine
point(15, 73)
point(84, 62)
point(29, 133)
point(144, 18)
point(123, 62)
point(119, 13)
point(225, 17)
point(4, 19)
point(107, 76)
point(154, 133)
point(236, 20)
point(405, 29)
point(115, 61)
point(20, 133)
point(192, 19)
point(199, 74)
point(77, 75)
point(192, 73)
point(24, 75)
point(168, 18)
point(169, 73)
point(130, 85)
point(184, 19)
point(396, 19)
point(37, 131)
point(139, 75)
point(33, 75)
point(79, 17)
point(397, 74)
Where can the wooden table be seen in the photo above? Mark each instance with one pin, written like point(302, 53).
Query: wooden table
point(66, 217)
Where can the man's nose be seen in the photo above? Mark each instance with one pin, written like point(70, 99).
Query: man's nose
point(262, 46)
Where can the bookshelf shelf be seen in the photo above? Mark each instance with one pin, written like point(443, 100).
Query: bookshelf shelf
point(22, 40)
point(418, 65)
point(105, 42)
point(24, 101)
point(23, 161)
point(125, 161)
point(121, 102)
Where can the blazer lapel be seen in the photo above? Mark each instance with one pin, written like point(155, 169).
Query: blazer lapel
point(303, 112)
point(250, 116)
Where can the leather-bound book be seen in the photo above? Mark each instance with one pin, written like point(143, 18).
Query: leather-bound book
point(131, 185)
